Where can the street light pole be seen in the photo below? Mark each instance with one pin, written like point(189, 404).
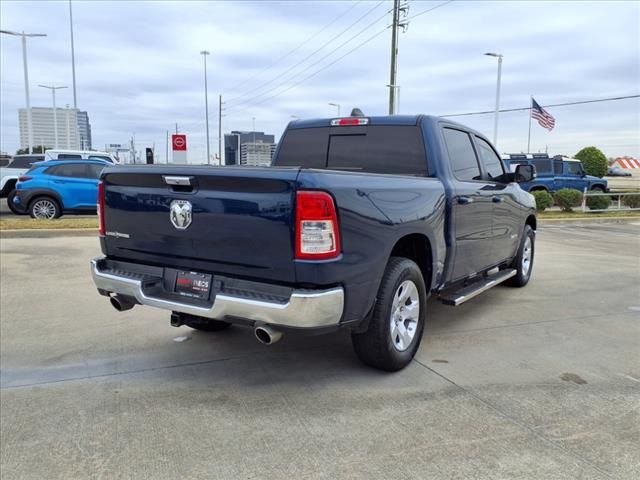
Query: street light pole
point(337, 105)
point(26, 81)
point(53, 89)
point(73, 58)
point(495, 120)
point(204, 54)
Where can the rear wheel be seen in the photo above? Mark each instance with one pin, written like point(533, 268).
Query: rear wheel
point(523, 263)
point(10, 204)
point(44, 208)
point(395, 328)
point(206, 324)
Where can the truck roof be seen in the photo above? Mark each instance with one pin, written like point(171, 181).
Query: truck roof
point(373, 120)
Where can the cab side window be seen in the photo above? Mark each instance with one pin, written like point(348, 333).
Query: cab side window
point(461, 155)
point(492, 162)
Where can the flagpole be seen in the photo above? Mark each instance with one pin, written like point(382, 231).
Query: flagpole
point(529, 138)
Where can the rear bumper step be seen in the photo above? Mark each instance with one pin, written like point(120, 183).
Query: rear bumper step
point(458, 297)
point(304, 308)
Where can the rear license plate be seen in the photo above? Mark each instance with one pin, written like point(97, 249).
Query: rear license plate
point(192, 284)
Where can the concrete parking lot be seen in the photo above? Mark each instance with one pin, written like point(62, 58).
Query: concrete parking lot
point(541, 382)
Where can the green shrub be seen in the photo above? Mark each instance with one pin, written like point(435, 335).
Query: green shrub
point(568, 198)
point(599, 203)
point(631, 201)
point(593, 161)
point(543, 200)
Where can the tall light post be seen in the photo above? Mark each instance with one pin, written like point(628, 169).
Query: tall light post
point(26, 80)
point(73, 58)
point(204, 54)
point(495, 120)
point(53, 89)
point(337, 105)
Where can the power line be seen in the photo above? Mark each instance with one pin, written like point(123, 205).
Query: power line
point(306, 58)
point(308, 67)
point(324, 67)
point(429, 10)
point(521, 109)
point(291, 52)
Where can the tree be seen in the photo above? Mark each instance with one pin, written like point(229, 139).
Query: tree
point(593, 160)
point(36, 149)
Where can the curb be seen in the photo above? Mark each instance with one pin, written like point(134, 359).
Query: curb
point(92, 232)
point(621, 220)
point(48, 233)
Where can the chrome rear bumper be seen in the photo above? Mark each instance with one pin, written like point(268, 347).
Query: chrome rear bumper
point(304, 309)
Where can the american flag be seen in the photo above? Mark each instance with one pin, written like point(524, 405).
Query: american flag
point(543, 117)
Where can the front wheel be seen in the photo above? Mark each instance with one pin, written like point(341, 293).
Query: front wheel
point(397, 322)
point(597, 188)
point(523, 263)
point(44, 208)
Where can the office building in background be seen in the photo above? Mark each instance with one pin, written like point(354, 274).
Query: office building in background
point(74, 129)
point(248, 148)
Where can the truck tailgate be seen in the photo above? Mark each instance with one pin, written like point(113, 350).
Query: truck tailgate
point(241, 218)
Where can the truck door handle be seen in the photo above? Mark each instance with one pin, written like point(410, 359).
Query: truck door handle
point(497, 199)
point(464, 200)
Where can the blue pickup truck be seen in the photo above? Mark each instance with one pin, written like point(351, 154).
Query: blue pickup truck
point(553, 174)
point(357, 221)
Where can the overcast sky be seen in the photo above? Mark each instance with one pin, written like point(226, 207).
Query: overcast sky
point(139, 69)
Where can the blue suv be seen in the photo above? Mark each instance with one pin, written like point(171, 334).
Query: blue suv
point(49, 189)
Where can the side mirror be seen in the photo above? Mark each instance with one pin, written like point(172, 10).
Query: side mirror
point(525, 173)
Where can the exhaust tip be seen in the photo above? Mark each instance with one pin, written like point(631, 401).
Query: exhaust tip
point(267, 335)
point(120, 304)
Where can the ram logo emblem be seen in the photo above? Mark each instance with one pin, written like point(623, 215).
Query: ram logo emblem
point(180, 214)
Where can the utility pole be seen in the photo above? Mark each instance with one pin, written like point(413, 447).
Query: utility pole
point(394, 58)
point(204, 53)
point(400, 14)
point(167, 148)
point(53, 89)
point(73, 59)
point(219, 129)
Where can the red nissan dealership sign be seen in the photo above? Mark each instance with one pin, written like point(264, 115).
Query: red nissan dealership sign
point(179, 142)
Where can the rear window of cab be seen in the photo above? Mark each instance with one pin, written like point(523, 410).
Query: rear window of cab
point(387, 149)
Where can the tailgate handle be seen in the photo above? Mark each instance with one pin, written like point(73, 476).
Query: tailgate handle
point(182, 181)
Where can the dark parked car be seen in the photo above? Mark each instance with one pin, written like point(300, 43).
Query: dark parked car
point(354, 225)
point(49, 189)
point(617, 172)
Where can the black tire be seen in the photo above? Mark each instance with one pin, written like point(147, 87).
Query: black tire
point(523, 274)
point(597, 188)
point(376, 347)
point(10, 204)
point(38, 204)
point(206, 324)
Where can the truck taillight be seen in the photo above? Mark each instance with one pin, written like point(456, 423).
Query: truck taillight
point(101, 229)
point(24, 178)
point(317, 233)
